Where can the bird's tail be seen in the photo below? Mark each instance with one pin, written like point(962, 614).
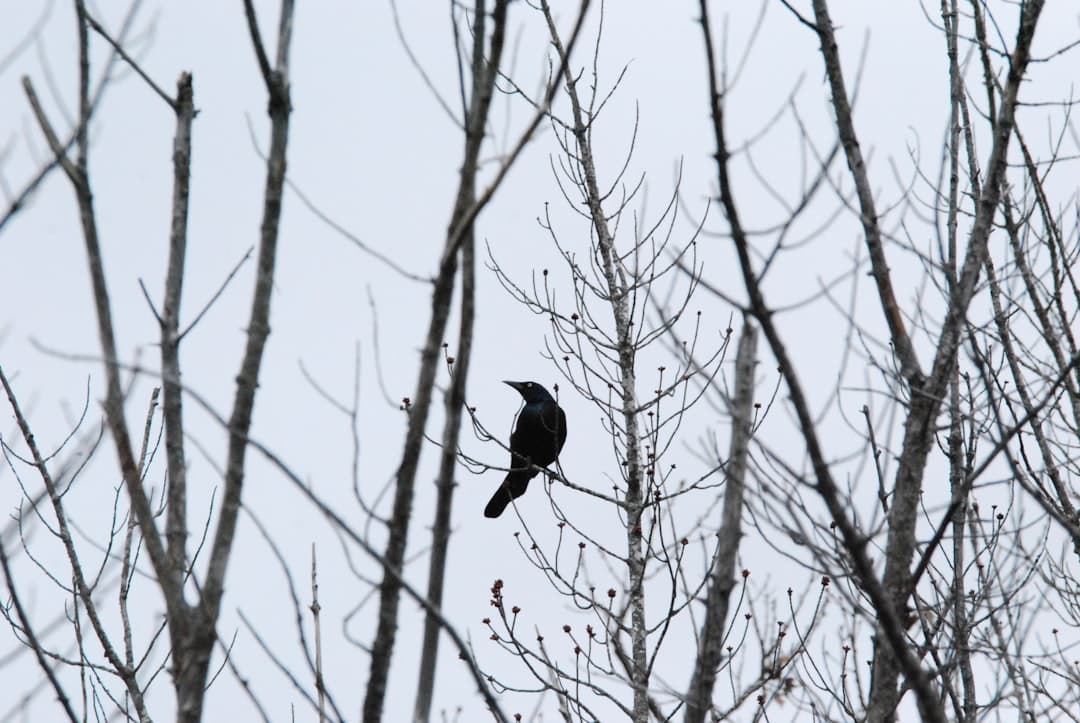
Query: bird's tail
point(513, 486)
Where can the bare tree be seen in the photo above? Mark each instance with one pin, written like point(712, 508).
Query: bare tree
point(944, 628)
point(735, 532)
point(619, 315)
point(191, 626)
point(927, 603)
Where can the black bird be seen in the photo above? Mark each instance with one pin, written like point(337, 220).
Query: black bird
point(537, 439)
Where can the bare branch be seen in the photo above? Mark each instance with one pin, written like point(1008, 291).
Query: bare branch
point(722, 576)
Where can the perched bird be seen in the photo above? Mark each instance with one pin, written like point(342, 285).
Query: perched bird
point(536, 442)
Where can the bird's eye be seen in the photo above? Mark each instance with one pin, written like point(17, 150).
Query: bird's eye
point(529, 385)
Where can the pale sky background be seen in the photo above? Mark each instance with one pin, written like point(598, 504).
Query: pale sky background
point(373, 149)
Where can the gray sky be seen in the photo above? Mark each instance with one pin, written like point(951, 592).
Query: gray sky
point(373, 150)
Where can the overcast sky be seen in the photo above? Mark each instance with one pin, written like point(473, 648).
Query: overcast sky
point(375, 151)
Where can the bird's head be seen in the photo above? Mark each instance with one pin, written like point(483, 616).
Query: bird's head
point(531, 392)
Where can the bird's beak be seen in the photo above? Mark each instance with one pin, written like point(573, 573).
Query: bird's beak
point(515, 385)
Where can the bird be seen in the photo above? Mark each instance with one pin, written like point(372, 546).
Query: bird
point(537, 439)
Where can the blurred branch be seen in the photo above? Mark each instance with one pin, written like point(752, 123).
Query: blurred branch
point(96, 26)
point(114, 401)
point(191, 679)
point(926, 402)
point(710, 650)
point(360, 541)
point(320, 684)
point(27, 630)
point(454, 401)
point(484, 72)
point(176, 512)
point(909, 362)
point(82, 589)
point(855, 542)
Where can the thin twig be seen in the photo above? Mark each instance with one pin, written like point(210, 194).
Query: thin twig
point(27, 630)
point(320, 684)
point(80, 587)
point(96, 26)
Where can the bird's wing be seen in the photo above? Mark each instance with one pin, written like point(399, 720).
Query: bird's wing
point(521, 440)
point(554, 421)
